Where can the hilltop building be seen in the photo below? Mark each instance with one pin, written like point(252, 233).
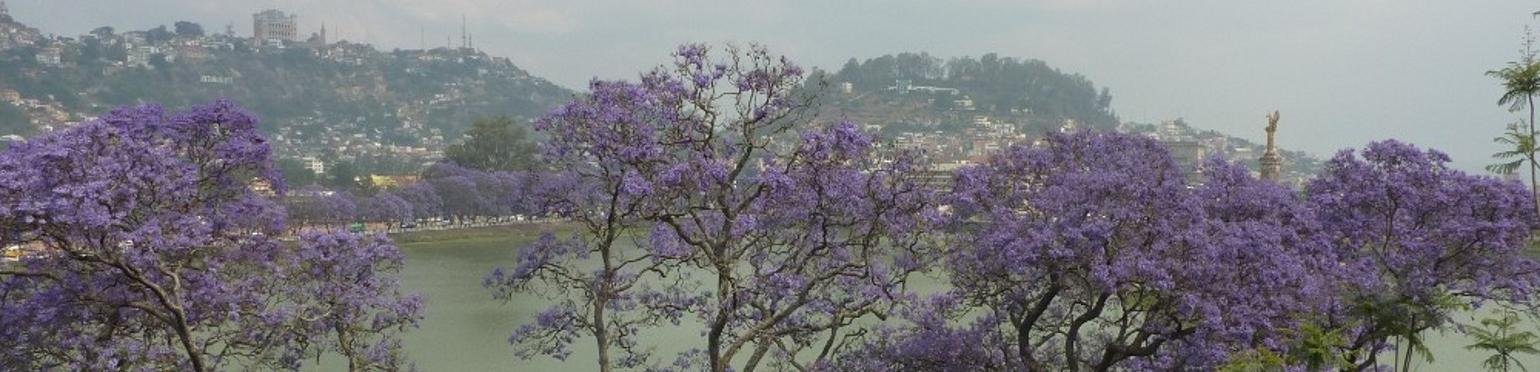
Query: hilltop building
point(273, 24)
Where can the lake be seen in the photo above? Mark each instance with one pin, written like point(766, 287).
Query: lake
point(465, 329)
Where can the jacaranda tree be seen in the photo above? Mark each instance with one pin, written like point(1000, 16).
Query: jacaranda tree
point(385, 207)
point(424, 200)
point(1424, 239)
point(777, 233)
point(460, 190)
point(153, 251)
point(1090, 251)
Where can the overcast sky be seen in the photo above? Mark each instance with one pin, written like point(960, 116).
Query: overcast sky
point(1341, 72)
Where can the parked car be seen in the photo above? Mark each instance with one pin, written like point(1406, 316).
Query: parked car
point(408, 224)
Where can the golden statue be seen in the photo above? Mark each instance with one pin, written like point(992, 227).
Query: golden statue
point(1272, 126)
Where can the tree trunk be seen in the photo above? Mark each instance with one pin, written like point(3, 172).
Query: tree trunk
point(601, 333)
point(1534, 188)
point(759, 353)
point(714, 338)
point(719, 325)
point(185, 336)
point(1071, 337)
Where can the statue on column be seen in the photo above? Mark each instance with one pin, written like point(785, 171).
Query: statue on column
point(1272, 164)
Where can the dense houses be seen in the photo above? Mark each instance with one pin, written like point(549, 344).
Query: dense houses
point(318, 138)
point(952, 130)
point(973, 135)
point(1191, 147)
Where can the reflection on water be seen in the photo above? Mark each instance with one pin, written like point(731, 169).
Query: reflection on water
point(467, 330)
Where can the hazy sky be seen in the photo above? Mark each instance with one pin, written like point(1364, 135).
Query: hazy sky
point(1342, 72)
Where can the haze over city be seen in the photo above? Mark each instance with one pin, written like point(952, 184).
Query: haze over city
point(1341, 72)
point(541, 185)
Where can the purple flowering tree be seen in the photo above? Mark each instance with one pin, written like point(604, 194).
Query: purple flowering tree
point(154, 252)
point(1091, 252)
point(461, 190)
point(508, 193)
point(385, 207)
point(366, 317)
point(1425, 240)
point(590, 276)
point(424, 199)
point(777, 234)
point(313, 205)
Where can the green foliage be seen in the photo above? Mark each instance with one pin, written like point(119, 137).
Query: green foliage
point(1319, 348)
point(1521, 81)
point(103, 32)
point(1500, 337)
point(494, 144)
point(1407, 320)
point(295, 173)
point(347, 177)
point(996, 84)
point(1255, 360)
point(1522, 149)
point(188, 29)
point(158, 34)
point(13, 120)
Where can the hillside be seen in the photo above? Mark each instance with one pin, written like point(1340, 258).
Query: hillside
point(959, 110)
point(1028, 92)
point(317, 99)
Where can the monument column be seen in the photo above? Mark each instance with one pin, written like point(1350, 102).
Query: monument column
point(1272, 164)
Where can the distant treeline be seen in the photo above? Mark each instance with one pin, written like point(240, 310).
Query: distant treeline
point(996, 84)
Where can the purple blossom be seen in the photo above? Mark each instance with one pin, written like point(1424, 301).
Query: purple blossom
point(795, 235)
point(156, 253)
point(1419, 235)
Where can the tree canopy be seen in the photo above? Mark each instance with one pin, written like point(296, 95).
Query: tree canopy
point(494, 144)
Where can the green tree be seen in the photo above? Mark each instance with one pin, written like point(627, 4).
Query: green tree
point(188, 29)
point(346, 176)
point(494, 144)
point(1318, 348)
point(1497, 335)
point(295, 173)
point(158, 34)
point(1522, 151)
point(1521, 81)
point(103, 32)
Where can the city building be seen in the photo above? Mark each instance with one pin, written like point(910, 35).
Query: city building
point(392, 182)
point(273, 24)
point(50, 56)
point(140, 55)
point(314, 164)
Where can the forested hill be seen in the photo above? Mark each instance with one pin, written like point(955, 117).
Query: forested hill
point(306, 92)
point(961, 110)
point(1029, 91)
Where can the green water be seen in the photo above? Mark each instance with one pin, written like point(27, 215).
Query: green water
point(465, 329)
